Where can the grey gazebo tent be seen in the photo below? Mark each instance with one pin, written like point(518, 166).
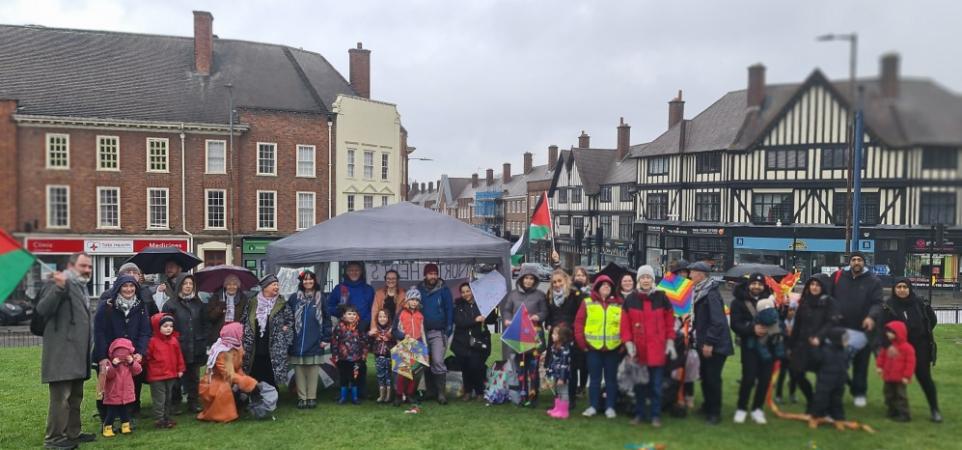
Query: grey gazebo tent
point(400, 232)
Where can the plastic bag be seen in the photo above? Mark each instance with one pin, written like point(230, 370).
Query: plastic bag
point(631, 373)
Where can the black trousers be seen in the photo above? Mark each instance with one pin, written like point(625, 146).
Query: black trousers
point(923, 373)
point(859, 382)
point(756, 373)
point(115, 412)
point(711, 383)
point(783, 373)
point(473, 371)
point(345, 374)
point(828, 400)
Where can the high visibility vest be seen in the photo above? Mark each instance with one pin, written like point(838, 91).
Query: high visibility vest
point(602, 325)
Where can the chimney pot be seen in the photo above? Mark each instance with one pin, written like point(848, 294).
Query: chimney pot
point(203, 42)
point(756, 85)
point(424, 187)
point(624, 139)
point(889, 76)
point(676, 110)
point(360, 70)
point(584, 141)
point(430, 186)
point(552, 156)
point(474, 180)
point(489, 177)
point(506, 173)
point(528, 162)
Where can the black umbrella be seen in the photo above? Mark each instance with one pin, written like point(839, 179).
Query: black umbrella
point(615, 272)
point(211, 279)
point(744, 270)
point(153, 260)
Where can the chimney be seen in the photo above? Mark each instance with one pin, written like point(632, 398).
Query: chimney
point(474, 180)
point(552, 156)
point(528, 162)
point(624, 139)
point(430, 186)
point(584, 140)
point(889, 77)
point(203, 42)
point(489, 177)
point(360, 62)
point(506, 173)
point(414, 188)
point(676, 110)
point(424, 187)
point(756, 85)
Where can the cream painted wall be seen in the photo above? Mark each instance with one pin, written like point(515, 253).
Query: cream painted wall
point(366, 126)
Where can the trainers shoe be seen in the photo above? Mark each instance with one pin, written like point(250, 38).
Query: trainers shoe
point(936, 416)
point(656, 422)
point(860, 401)
point(84, 437)
point(590, 412)
point(740, 416)
point(610, 413)
point(758, 416)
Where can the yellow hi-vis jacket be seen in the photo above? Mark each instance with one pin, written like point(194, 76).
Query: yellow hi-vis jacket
point(602, 325)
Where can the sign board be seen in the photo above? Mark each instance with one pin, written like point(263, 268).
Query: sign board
point(95, 246)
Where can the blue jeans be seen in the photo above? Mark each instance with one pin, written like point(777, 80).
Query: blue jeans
point(651, 392)
point(607, 363)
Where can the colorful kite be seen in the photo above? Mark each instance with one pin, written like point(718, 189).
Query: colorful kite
point(406, 355)
point(678, 289)
point(520, 336)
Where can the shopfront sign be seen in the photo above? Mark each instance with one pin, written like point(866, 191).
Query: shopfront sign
point(922, 245)
point(800, 244)
point(701, 231)
point(256, 246)
point(97, 246)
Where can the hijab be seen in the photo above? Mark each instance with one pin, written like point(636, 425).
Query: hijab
point(230, 339)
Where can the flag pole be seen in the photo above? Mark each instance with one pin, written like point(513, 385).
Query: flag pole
point(544, 198)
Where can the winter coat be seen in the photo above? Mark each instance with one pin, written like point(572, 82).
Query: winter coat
point(119, 387)
point(858, 297)
point(190, 321)
point(918, 316)
point(357, 293)
point(533, 299)
point(164, 358)
point(67, 336)
point(582, 317)
point(315, 325)
point(409, 324)
point(466, 329)
point(832, 362)
point(110, 323)
point(814, 317)
point(567, 311)
point(648, 322)
point(215, 388)
point(742, 318)
point(383, 340)
point(216, 310)
point(437, 307)
point(710, 322)
point(143, 293)
point(559, 365)
point(381, 302)
point(349, 343)
point(897, 361)
point(280, 336)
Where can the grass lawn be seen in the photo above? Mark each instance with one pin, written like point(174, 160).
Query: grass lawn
point(23, 406)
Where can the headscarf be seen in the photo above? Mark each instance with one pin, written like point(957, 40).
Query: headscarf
point(230, 338)
point(264, 307)
point(180, 286)
point(229, 300)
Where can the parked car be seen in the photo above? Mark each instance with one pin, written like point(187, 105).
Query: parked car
point(543, 270)
point(14, 312)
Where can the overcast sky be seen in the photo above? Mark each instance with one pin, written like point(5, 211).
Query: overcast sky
point(480, 82)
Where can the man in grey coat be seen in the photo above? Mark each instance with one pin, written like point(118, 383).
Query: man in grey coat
point(67, 341)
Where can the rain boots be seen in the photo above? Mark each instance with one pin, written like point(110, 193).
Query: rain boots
point(343, 398)
point(125, 428)
point(108, 431)
point(355, 399)
point(562, 411)
point(441, 384)
point(557, 403)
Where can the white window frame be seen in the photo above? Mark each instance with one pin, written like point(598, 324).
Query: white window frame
point(49, 225)
point(365, 199)
point(47, 147)
point(351, 158)
point(207, 209)
point(258, 168)
point(258, 211)
point(166, 154)
point(166, 226)
point(366, 166)
point(100, 161)
point(350, 202)
point(385, 200)
point(385, 164)
point(297, 165)
point(100, 218)
point(207, 143)
point(297, 208)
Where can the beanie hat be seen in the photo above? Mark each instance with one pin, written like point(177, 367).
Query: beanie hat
point(646, 270)
point(857, 255)
point(268, 280)
point(768, 303)
point(756, 277)
point(166, 318)
point(432, 267)
point(413, 293)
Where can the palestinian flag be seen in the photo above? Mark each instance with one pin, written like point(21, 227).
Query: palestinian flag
point(517, 251)
point(15, 262)
point(540, 227)
point(520, 336)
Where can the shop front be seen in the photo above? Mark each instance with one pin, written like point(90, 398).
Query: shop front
point(618, 252)
point(927, 261)
point(108, 254)
point(663, 245)
point(810, 255)
point(254, 254)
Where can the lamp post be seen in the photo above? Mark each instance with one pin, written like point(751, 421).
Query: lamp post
point(852, 39)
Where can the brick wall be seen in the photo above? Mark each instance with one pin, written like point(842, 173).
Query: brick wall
point(8, 166)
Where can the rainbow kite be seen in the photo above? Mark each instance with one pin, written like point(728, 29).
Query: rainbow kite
point(783, 288)
point(520, 335)
point(678, 289)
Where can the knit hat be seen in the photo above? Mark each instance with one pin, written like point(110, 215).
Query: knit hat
point(268, 280)
point(432, 267)
point(756, 277)
point(857, 255)
point(699, 266)
point(646, 270)
point(768, 303)
point(166, 318)
point(413, 293)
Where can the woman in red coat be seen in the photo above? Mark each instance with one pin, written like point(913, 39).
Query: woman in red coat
point(647, 329)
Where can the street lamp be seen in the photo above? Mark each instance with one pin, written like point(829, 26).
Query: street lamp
point(852, 39)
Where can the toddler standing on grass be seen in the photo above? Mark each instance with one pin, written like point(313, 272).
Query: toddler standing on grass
point(349, 347)
point(119, 385)
point(165, 365)
point(382, 341)
point(896, 364)
point(559, 368)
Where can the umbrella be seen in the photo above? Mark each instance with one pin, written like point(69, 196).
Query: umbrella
point(263, 403)
point(615, 272)
point(744, 270)
point(153, 260)
point(211, 279)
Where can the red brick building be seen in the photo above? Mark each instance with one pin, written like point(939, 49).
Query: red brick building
point(113, 142)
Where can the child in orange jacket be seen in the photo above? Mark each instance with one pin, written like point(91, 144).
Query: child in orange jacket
point(896, 364)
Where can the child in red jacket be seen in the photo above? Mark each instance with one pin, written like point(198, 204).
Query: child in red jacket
point(165, 365)
point(119, 386)
point(896, 363)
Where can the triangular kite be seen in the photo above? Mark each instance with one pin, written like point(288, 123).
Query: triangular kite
point(678, 289)
point(520, 336)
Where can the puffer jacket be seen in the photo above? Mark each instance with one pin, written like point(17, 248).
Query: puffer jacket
point(350, 343)
point(357, 293)
point(437, 307)
point(119, 387)
point(648, 321)
point(858, 297)
point(815, 317)
point(164, 359)
point(742, 319)
point(897, 361)
point(533, 299)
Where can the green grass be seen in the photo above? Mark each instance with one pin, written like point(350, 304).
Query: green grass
point(23, 405)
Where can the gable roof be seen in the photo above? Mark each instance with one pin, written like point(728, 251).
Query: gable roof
point(593, 164)
point(924, 113)
point(113, 75)
point(621, 172)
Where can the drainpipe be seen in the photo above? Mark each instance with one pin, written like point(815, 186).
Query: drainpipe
point(183, 192)
point(330, 173)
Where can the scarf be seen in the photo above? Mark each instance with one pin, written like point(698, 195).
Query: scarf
point(229, 301)
point(230, 339)
point(701, 289)
point(125, 304)
point(302, 302)
point(558, 297)
point(263, 313)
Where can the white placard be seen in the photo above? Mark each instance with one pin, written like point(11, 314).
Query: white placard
point(488, 291)
point(109, 247)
